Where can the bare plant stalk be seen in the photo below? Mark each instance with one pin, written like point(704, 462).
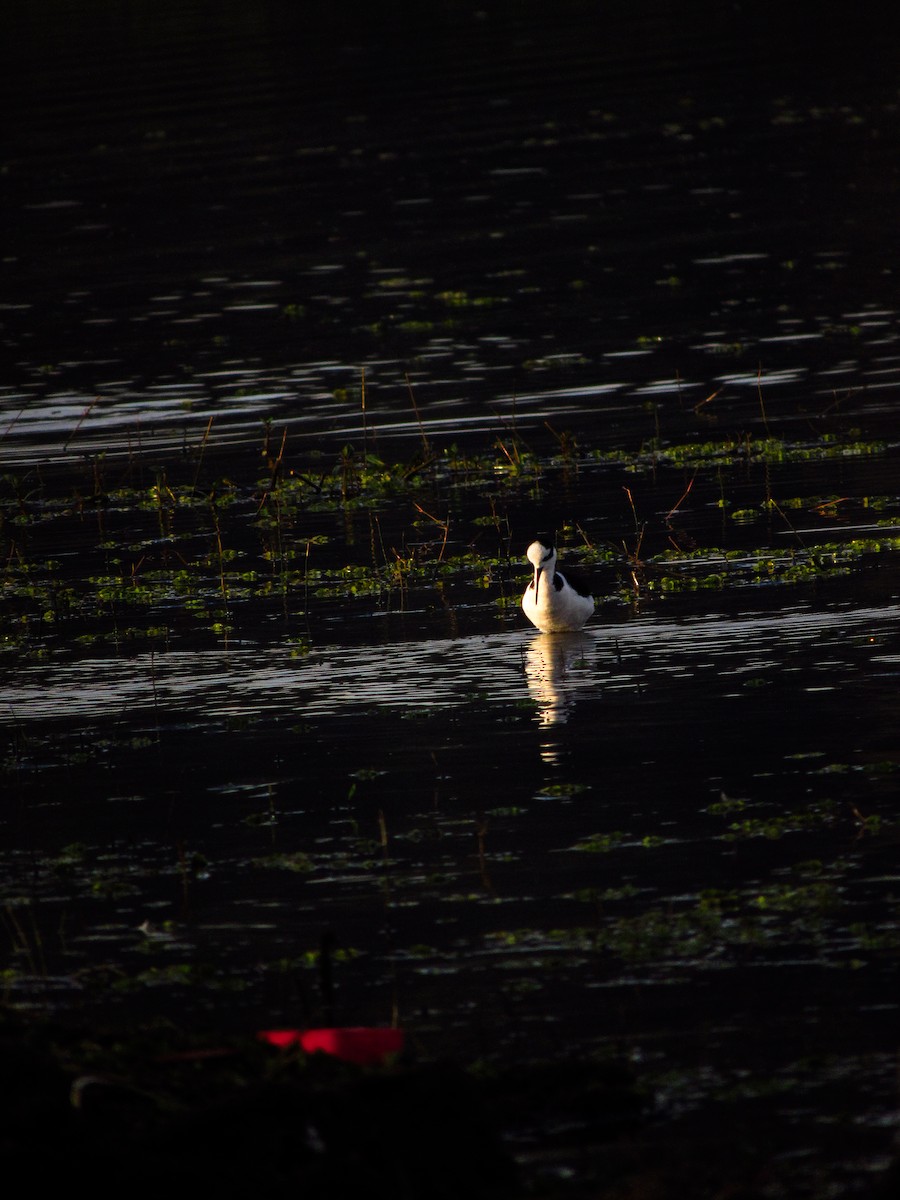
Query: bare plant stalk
point(203, 442)
point(762, 407)
point(306, 578)
point(638, 528)
point(442, 525)
point(223, 585)
point(635, 556)
point(275, 467)
point(81, 420)
point(513, 462)
point(426, 446)
point(709, 399)
point(675, 507)
point(377, 529)
point(9, 427)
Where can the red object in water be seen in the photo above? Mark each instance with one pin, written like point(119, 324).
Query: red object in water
point(363, 1046)
point(282, 1038)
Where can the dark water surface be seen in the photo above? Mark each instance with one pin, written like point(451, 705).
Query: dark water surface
point(606, 252)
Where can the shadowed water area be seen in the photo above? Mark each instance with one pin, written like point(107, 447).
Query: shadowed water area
point(309, 326)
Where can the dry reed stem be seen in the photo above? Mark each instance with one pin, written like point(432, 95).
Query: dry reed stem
point(426, 445)
point(709, 399)
point(203, 443)
point(443, 525)
point(84, 416)
point(675, 507)
point(762, 407)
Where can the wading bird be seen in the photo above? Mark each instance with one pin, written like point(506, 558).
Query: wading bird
point(551, 601)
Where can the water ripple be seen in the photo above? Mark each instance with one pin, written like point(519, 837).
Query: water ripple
point(497, 669)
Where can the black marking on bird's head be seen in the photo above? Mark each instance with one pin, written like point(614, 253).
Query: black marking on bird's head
point(547, 542)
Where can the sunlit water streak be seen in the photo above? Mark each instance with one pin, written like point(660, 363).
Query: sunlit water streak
point(496, 669)
point(43, 420)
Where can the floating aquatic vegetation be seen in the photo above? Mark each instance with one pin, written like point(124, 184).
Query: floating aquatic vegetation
point(158, 561)
point(741, 451)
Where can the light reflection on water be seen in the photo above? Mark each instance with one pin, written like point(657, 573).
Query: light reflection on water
point(554, 672)
point(41, 425)
point(463, 383)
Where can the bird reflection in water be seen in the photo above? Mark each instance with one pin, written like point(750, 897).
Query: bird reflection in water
point(549, 659)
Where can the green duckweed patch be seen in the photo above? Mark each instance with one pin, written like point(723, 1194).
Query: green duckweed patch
point(822, 814)
point(716, 568)
point(742, 451)
point(716, 925)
